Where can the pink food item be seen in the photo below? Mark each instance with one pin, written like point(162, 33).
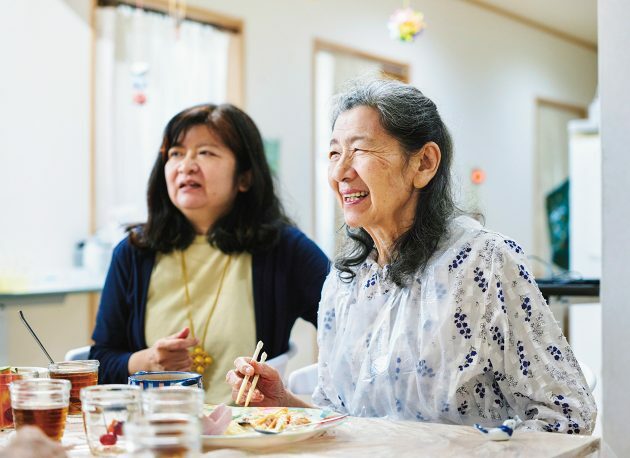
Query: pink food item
point(217, 422)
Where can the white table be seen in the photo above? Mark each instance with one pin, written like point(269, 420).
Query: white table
point(375, 437)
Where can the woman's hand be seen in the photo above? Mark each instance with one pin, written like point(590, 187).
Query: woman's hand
point(167, 354)
point(270, 390)
point(31, 442)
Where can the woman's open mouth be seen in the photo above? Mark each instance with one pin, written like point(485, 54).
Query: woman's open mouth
point(354, 197)
point(188, 185)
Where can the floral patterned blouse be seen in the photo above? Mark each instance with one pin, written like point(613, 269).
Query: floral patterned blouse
point(471, 340)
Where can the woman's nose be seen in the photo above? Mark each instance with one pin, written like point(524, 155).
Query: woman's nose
point(342, 169)
point(188, 163)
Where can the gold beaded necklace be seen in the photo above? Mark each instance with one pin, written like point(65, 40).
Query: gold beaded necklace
point(201, 358)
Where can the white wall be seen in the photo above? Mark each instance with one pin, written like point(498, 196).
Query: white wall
point(483, 71)
point(44, 119)
point(614, 73)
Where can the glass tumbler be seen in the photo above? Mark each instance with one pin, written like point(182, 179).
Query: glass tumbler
point(80, 373)
point(165, 435)
point(171, 423)
point(107, 409)
point(42, 403)
point(9, 375)
point(6, 413)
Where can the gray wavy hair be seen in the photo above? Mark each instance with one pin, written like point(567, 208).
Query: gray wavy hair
point(413, 120)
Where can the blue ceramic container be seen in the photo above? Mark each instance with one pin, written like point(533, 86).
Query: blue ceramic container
point(166, 378)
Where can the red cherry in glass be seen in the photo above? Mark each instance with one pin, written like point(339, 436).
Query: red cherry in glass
point(116, 427)
point(8, 415)
point(108, 439)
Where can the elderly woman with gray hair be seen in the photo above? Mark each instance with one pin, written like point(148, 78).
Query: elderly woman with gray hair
point(426, 315)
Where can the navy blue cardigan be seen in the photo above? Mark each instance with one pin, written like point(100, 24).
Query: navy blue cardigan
point(287, 283)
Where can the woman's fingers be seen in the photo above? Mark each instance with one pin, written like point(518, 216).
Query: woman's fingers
point(234, 379)
point(172, 360)
point(242, 365)
point(257, 396)
point(176, 344)
point(247, 366)
point(265, 370)
point(181, 334)
point(178, 365)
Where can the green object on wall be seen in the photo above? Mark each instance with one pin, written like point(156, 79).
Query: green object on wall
point(272, 152)
point(557, 203)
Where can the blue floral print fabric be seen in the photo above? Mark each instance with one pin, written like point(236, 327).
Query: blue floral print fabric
point(470, 340)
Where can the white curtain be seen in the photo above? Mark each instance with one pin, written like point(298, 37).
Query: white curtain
point(140, 52)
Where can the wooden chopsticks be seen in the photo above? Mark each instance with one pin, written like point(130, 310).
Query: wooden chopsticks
point(246, 379)
point(263, 358)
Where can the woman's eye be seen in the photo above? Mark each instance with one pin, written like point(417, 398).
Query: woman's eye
point(174, 153)
point(205, 152)
point(333, 155)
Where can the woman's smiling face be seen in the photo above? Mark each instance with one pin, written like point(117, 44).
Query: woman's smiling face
point(370, 174)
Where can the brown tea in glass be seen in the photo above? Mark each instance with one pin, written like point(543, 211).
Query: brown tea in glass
point(52, 421)
point(42, 403)
point(6, 414)
point(8, 375)
point(80, 374)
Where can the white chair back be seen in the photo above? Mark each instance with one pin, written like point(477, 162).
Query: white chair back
point(78, 353)
point(280, 362)
point(589, 375)
point(303, 380)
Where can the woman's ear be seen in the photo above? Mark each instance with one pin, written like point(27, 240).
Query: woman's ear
point(245, 181)
point(426, 163)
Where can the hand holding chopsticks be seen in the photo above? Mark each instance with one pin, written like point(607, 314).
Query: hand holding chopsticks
point(263, 358)
point(266, 389)
point(246, 379)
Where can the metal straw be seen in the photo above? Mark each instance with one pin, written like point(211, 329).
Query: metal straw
point(28, 326)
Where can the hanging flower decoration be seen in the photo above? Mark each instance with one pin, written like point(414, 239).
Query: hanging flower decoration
point(405, 24)
point(139, 81)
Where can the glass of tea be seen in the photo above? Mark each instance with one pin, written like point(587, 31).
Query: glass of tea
point(165, 435)
point(80, 374)
point(42, 403)
point(107, 409)
point(6, 414)
point(8, 375)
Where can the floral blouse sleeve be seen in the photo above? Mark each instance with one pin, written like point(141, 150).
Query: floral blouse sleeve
point(325, 322)
point(535, 369)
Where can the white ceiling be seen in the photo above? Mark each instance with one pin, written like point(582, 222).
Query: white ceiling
point(577, 18)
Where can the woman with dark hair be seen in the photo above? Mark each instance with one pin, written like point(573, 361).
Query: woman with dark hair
point(426, 315)
point(216, 267)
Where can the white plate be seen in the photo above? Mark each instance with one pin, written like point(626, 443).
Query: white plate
point(260, 440)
